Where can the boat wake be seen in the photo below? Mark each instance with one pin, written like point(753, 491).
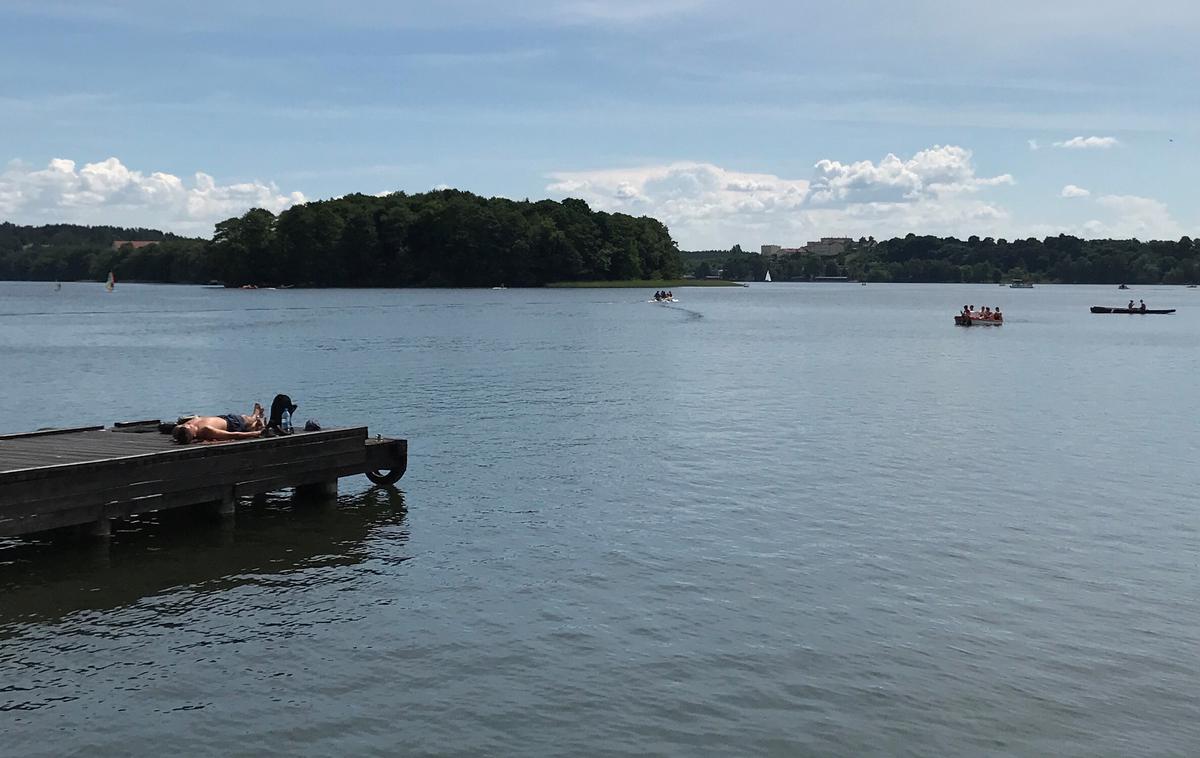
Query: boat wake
point(670, 305)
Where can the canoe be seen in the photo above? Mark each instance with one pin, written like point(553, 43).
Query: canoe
point(964, 321)
point(1135, 311)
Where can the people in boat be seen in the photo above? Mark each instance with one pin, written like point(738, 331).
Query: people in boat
point(1142, 306)
point(1131, 305)
point(997, 315)
point(231, 426)
point(670, 295)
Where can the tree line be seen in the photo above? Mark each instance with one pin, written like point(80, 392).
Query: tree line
point(445, 238)
point(456, 239)
point(1062, 259)
point(69, 252)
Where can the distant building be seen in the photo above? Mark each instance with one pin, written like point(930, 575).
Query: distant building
point(135, 244)
point(826, 247)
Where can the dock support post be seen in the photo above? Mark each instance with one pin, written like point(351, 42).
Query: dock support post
point(326, 491)
point(222, 510)
point(101, 528)
point(225, 507)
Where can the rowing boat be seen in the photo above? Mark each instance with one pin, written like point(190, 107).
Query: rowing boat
point(1135, 311)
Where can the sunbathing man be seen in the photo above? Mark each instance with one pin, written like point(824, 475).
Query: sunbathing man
point(231, 426)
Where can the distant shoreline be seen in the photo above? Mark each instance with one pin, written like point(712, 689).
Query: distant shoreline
point(644, 283)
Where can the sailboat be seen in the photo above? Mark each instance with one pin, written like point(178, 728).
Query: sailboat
point(768, 277)
point(112, 282)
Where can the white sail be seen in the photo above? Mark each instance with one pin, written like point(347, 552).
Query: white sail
point(768, 277)
point(112, 282)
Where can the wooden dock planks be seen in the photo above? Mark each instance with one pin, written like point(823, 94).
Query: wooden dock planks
point(59, 478)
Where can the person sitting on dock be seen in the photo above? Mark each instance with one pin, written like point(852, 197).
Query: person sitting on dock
point(231, 426)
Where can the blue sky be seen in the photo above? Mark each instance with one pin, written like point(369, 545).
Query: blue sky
point(750, 122)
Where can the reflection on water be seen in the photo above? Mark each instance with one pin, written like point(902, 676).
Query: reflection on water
point(47, 579)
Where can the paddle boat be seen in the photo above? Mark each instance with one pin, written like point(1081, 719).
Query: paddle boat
point(1020, 284)
point(976, 318)
point(961, 320)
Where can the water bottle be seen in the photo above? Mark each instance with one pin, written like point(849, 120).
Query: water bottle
point(285, 422)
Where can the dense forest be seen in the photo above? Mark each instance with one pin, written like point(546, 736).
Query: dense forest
point(1063, 259)
point(445, 238)
point(69, 252)
point(456, 239)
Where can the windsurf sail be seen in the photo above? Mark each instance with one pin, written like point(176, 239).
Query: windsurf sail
point(768, 278)
point(112, 282)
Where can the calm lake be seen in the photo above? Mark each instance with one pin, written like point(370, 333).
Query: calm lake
point(778, 520)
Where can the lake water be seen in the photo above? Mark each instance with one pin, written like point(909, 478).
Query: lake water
point(776, 520)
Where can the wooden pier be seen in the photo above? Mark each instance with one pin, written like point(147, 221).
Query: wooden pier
point(87, 476)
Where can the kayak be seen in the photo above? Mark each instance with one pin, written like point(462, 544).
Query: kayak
point(965, 321)
point(1135, 311)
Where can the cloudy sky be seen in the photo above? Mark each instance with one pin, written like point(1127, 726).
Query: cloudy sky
point(750, 122)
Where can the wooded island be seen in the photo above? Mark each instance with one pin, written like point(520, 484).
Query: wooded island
point(450, 238)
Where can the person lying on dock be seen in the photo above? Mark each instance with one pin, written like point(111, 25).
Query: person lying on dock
point(231, 426)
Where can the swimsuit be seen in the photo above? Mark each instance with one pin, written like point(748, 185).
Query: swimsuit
point(234, 422)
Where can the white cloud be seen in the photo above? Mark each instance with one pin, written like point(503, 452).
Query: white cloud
point(621, 11)
point(1033, 144)
point(1072, 191)
point(705, 205)
point(1133, 216)
point(1088, 143)
point(935, 172)
point(108, 192)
